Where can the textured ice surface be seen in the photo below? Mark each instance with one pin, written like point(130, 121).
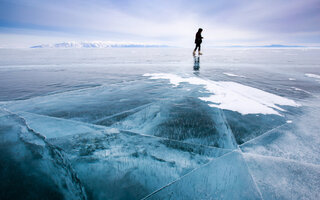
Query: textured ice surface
point(60, 127)
point(87, 124)
point(131, 166)
point(298, 140)
point(226, 177)
point(87, 104)
point(32, 167)
point(279, 178)
point(187, 120)
point(120, 165)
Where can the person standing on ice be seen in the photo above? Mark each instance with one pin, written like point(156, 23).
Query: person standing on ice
point(198, 42)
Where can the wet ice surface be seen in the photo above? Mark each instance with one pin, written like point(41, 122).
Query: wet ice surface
point(157, 124)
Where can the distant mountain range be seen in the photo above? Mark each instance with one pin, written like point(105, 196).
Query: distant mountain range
point(96, 44)
point(265, 46)
point(109, 44)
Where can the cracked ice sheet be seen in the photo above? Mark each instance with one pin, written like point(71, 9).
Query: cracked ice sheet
point(226, 177)
point(279, 178)
point(91, 104)
point(52, 127)
point(187, 119)
point(247, 127)
point(233, 96)
point(244, 125)
point(32, 167)
point(298, 140)
point(103, 105)
point(128, 165)
point(125, 164)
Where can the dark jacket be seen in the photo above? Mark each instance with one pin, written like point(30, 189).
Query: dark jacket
point(198, 39)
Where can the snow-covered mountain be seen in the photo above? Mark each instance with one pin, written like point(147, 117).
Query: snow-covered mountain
point(96, 44)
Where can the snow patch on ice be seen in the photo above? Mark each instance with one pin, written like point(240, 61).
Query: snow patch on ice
point(233, 75)
point(313, 76)
point(232, 96)
point(298, 89)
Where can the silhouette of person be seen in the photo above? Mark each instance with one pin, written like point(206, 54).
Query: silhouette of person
point(198, 42)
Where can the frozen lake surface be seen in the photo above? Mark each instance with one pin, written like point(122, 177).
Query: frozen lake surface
point(157, 123)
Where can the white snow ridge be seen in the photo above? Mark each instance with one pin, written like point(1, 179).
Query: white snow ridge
point(233, 96)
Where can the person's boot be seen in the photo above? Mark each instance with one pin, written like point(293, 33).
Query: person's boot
point(194, 53)
point(199, 53)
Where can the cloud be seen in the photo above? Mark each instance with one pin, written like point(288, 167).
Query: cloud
point(172, 22)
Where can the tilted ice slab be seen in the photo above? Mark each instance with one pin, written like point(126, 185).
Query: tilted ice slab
point(232, 96)
point(88, 105)
point(114, 164)
point(128, 165)
point(52, 127)
point(33, 168)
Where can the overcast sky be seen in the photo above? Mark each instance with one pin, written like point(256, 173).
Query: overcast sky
point(225, 22)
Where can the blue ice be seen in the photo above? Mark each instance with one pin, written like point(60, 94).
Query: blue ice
point(80, 124)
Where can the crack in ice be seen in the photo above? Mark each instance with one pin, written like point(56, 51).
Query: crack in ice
point(187, 174)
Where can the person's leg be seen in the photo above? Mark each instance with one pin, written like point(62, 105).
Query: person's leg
point(199, 47)
point(195, 49)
